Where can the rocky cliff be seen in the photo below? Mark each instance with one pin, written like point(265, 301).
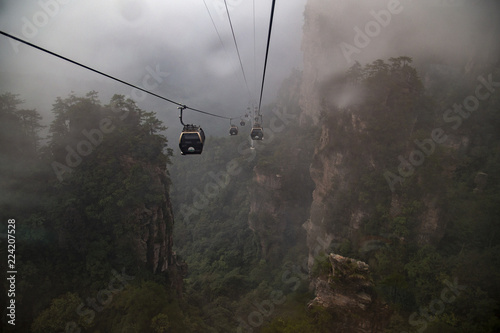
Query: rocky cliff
point(266, 212)
point(380, 166)
point(153, 221)
point(279, 203)
point(281, 188)
point(138, 225)
point(345, 287)
point(365, 130)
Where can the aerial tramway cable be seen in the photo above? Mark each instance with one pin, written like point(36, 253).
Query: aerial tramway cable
point(215, 26)
point(110, 76)
point(218, 34)
point(254, 51)
point(267, 53)
point(237, 50)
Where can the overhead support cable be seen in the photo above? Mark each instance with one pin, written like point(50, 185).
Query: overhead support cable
point(267, 53)
point(220, 38)
point(109, 76)
point(215, 26)
point(237, 50)
point(254, 51)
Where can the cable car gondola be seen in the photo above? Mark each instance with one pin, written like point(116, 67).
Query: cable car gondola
point(192, 138)
point(233, 130)
point(257, 132)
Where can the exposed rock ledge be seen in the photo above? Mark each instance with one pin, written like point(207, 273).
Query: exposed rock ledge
point(347, 291)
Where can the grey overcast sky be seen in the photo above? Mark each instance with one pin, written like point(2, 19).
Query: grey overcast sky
point(170, 47)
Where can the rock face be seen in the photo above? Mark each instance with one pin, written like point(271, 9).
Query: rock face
point(352, 144)
point(279, 204)
point(154, 241)
point(344, 287)
point(266, 210)
point(154, 223)
point(280, 191)
point(344, 167)
point(129, 210)
point(333, 215)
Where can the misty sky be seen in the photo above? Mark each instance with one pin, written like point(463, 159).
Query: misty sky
point(440, 31)
point(132, 39)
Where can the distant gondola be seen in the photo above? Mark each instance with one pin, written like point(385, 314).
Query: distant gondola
point(257, 132)
point(191, 140)
point(233, 130)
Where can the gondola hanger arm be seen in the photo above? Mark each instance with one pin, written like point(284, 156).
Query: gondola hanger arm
point(181, 108)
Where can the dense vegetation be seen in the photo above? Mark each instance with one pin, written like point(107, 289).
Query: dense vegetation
point(75, 215)
point(73, 200)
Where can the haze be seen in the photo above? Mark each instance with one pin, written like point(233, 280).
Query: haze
point(130, 39)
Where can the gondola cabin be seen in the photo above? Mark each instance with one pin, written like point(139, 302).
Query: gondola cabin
point(257, 133)
point(233, 130)
point(191, 140)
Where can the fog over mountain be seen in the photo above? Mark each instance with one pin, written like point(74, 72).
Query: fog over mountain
point(451, 33)
point(133, 40)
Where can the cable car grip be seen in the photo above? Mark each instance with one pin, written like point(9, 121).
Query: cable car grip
point(181, 108)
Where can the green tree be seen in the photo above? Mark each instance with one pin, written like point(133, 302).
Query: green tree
point(160, 323)
point(60, 315)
